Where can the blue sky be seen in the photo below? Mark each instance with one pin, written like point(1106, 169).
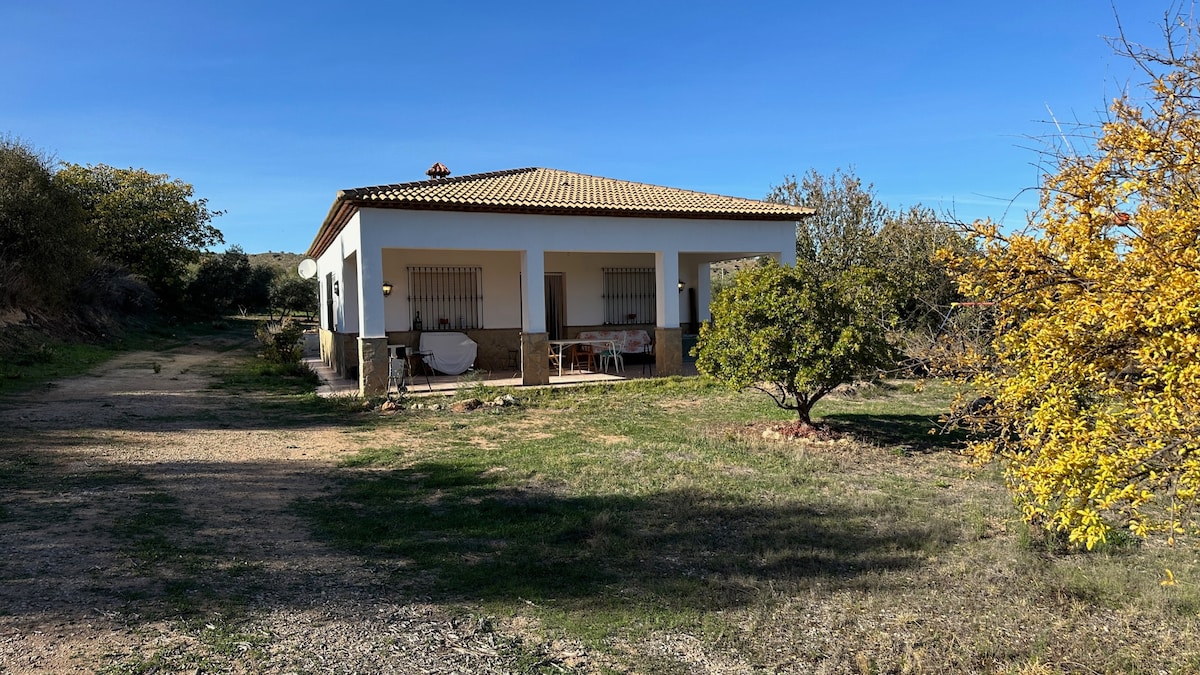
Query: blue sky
point(269, 108)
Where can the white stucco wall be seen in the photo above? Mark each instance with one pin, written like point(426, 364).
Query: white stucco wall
point(500, 272)
point(379, 245)
point(583, 281)
point(349, 294)
point(333, 260)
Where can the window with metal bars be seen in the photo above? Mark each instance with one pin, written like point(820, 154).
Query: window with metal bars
point(629, 295)
point(445, 298)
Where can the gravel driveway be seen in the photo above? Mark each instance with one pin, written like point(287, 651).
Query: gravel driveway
point(146, 526)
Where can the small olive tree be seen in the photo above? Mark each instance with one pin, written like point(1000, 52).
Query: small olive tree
point(796, 337)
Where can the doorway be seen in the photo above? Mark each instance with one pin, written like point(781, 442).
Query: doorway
point(330, 323)
point(554, 305)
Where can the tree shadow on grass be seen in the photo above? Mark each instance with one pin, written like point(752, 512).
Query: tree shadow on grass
point(912, 433)
point(472, 537)
point(187, 539)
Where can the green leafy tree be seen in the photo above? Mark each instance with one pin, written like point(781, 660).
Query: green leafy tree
point(907, 250)
point(43, 247)
point(293, 295)
point(793, 335)
point(225, 282)
point(853, 230)
point(841, 234)
point(146, 222)
point(220, 282)
point(257, 293)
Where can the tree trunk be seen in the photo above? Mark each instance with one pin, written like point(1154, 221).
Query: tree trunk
point(802, 411)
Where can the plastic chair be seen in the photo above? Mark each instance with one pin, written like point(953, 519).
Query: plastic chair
point(397, 375)
point(613, 354)
point(401, 369)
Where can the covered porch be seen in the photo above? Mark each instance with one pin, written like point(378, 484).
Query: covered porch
point(491, 297)
point(447, 385)
point(517, 260)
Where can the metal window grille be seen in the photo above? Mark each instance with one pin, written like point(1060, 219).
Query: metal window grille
point(629, 295)
point(445, 298)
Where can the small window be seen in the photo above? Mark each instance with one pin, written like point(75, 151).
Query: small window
point(629, 295)
point(445, 298)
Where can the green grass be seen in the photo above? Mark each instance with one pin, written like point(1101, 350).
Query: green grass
point(651, 525)
point(618, 515)
point(256, 375)
point(48, 359)
point(29, 358)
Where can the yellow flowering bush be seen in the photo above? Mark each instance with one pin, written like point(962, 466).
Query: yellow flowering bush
point(1093, 380)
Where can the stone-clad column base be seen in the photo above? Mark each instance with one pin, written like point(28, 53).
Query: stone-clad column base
point(535, 358)
point(668, 351)
point(373, 366)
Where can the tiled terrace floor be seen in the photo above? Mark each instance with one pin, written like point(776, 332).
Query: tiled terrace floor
point(332, 385)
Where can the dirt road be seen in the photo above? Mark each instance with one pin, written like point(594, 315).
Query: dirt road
point(147, 524)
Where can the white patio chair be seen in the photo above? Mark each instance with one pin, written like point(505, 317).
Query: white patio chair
point(613, 355)
point(397, 374)
point(401, 370)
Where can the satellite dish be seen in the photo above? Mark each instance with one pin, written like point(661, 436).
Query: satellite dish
point(308, 268)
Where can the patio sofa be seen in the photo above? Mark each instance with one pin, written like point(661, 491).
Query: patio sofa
point(635, 341)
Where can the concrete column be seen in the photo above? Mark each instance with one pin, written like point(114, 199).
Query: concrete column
point(373, 368)
point(668, 337)
point(704, 292)
point(533, 291)
point(668, 351)
point(371, 312)
point(535, 358)
point(666, 272)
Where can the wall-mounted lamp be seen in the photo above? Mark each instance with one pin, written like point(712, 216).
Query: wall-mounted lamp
point(387, 289)
point(681, 285)
point(337, 290)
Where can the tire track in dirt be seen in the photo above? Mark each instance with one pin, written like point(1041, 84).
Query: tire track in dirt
point(145, 513)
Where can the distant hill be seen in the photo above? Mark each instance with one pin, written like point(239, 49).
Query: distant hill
point(285, 262)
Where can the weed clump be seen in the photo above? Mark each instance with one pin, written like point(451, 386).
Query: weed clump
point(281, 341)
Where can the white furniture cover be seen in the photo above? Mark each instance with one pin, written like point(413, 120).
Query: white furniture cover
point(449, 353)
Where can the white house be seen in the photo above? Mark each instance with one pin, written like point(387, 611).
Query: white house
point(520, 257)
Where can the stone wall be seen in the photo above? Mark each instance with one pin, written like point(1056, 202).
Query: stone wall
point(373, 355)
point(535, 359)
point(668, 351)
point(339, 351)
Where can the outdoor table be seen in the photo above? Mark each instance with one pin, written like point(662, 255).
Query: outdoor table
point(562, 345)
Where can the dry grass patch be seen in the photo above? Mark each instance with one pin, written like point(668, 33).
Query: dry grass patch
point(642, 528)
point(660, 532)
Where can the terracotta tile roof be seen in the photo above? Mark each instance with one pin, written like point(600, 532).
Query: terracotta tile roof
point(547, 191)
